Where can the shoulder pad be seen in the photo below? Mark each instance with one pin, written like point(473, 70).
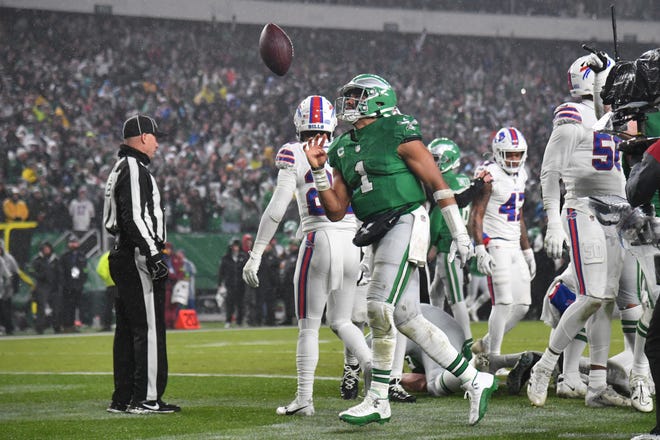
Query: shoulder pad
point(567, 113)
point(285, 157)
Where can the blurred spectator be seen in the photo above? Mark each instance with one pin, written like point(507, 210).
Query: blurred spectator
point(263, 308)
point(58, 218)
point(190, 270)
point(47, 293)
point(230, 276)
point(15, 208)
point(38, 208)
point(81, 211)
point(285, 285)
point(73, 265)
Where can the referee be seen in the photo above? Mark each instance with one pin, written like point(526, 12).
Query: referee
point(133, 213)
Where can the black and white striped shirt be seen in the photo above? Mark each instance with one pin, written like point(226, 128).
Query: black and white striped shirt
point(132, 208)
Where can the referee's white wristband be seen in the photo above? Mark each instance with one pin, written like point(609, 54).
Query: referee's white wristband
point(443, 194)
point(321, 179)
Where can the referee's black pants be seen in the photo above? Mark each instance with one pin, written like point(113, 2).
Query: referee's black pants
point(139, 350)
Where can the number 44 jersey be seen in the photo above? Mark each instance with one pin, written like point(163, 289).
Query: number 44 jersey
point(586, 161)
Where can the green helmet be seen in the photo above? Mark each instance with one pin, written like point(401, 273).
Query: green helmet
point(446, 153)
point(375, 98)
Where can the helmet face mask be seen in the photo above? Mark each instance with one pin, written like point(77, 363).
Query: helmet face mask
point(316, 114)
point(365, 96)
point(446, 154)
point(509, 149)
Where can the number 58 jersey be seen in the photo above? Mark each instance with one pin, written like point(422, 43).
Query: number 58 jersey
point(586, 161)
point(295, 178)
point(504, 208)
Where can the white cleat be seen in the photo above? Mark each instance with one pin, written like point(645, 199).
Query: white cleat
point(372, 409)
point(646, 437)
point(570, 389)
point(640, 397)
point(479, 346)
point(297, 408)
point(479, 391)
point(537, 387)
point(605, 397)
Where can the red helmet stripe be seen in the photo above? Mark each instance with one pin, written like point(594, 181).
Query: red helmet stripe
point(316, 110)
point(514, 136)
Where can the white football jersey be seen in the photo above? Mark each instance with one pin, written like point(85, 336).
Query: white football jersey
point(504, 209)
point(586, 161)
point(292, 159)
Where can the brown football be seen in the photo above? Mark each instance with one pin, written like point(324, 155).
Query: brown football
point(276, 49)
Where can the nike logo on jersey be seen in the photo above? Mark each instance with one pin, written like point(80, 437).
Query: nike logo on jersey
point(292, 412)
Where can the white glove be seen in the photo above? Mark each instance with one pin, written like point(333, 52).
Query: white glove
point(461, 245)
point(250, 270)
point(595, 62)
point(555, 237)
point(484, 260)
point(531, 262)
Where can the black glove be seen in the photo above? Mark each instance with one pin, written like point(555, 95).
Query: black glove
point(157, 267)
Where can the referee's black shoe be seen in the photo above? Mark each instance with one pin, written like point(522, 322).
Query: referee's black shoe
point(152, 407)
point(116, 407)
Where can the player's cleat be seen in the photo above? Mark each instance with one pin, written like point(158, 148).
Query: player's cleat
point(653, 435)
point(372, 409)
point(297, 408)
point(479, 346)
point(605, 397)
point(398, 394)
point(537, 388)
point(116, 407)
point(479, 391)
point(520, 372)
point(481, 362)
point(569, 388)
point(152, 407)
point(348, 388)
point(640, 398)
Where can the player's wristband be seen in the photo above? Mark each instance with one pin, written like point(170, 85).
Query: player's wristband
point(321, 179)
point(443, 194)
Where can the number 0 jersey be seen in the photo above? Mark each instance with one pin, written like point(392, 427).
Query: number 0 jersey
point(379, 180)
point(504, 208)
point(295, 178)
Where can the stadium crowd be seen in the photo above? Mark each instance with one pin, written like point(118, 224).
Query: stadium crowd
point(70, 80)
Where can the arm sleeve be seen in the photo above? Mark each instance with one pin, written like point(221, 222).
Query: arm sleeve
point(557, 151)
point(284, 191)
point(465, 197)
point(644, 176)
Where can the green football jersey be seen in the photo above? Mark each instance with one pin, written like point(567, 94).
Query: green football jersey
point(368, 160)
point(440, 235)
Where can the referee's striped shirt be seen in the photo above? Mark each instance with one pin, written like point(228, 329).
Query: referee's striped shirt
point(132, 208)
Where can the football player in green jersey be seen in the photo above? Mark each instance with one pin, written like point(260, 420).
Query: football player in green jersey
point(448, 280)
point(380, 167)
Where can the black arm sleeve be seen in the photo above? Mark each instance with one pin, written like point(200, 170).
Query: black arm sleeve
point(643, 181)
point(464, 198)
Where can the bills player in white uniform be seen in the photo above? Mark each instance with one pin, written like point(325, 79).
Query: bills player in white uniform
point(328, 262)
point(500, 236)
point(588, 164)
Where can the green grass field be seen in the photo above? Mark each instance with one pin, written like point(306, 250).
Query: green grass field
point(229, 383)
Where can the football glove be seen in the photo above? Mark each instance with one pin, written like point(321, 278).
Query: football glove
point(157, 267)
point(484, 260)
point(250, 270)
point(554, 240)
point(531, 262)
point(462, 247)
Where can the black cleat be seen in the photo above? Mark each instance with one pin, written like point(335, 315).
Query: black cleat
point(349, 382)
point(153, 407)
point(520, 373)
point(116, 407)
point(398, 394)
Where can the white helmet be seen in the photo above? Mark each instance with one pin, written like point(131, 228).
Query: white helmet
point(509, 140)
point(581, 76)
point(315, 113)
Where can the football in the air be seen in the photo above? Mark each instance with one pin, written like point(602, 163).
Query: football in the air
point(276, 49)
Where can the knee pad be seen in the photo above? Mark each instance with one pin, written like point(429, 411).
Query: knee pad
point(381, 319)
